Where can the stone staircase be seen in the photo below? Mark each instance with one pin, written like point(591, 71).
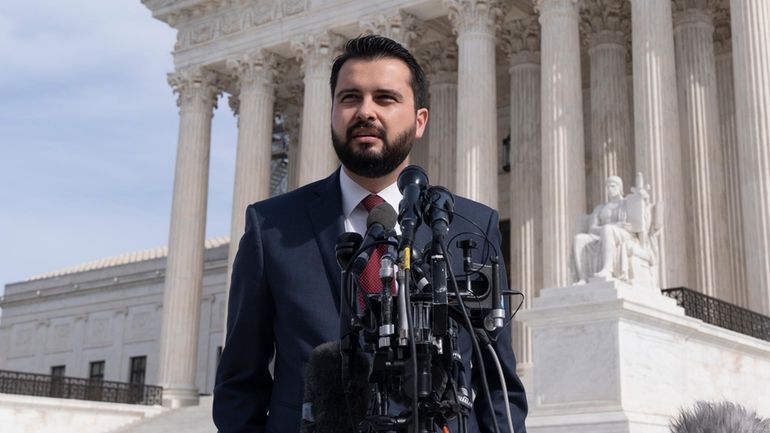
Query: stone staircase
point(192, 419)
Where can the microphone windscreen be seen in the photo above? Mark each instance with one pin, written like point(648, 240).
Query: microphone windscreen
point(332, 409)
point(347, 244)
point(382, 214)
point(412, 175)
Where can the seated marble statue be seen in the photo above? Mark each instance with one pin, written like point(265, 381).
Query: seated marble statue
point(618, 242)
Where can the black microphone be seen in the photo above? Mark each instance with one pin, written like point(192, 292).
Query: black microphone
point(347, 244)
point(329, 405)
point(439, 210)
point(379, 223)
point(411, 182)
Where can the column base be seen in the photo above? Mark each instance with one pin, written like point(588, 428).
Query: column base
point(180, 397)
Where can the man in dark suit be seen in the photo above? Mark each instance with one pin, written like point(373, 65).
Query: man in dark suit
point(285, 289)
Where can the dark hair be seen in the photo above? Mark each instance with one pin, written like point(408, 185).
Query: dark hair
point(372, 47)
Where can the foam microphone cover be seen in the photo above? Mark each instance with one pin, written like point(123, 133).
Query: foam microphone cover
point(325, 390)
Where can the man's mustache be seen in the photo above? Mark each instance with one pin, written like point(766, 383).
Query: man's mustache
point(365, 124)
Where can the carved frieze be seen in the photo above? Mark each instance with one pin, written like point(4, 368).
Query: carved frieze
point(400, 26)
point(470, 16)
point(521, 40)
point(207, 21)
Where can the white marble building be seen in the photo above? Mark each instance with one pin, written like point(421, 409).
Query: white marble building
point(676, 89)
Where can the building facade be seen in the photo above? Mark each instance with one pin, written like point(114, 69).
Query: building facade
point(534, 103)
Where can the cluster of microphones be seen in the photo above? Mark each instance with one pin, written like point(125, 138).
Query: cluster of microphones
point(397, 366)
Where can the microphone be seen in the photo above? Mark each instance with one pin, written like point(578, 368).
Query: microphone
point(412, 183)
point(379, 223)
point(439, 210)
point(347, 244)
point(329, 405)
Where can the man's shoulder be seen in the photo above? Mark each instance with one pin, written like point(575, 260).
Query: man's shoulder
point(471, 207)
point(289, 201)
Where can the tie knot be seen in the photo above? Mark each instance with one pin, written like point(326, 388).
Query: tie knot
point(371, 201)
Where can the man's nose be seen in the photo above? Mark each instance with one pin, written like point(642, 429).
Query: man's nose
point(366, 110)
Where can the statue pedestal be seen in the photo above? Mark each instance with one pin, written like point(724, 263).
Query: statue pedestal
point(611, 357)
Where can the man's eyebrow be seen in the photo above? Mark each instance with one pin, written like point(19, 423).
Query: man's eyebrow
point(391, 92)
point(348, 90)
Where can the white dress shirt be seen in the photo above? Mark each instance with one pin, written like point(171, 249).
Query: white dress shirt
point(354, 210)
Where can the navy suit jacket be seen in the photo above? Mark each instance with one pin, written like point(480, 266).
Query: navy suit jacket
point(284, 301)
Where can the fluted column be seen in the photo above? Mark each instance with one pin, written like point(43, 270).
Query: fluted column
point(316, 155)
point(289, 100)
point(701, 147)
point(612, 152)
point(400, 26)
point(254, 75)
point(563, 169)
point(439, 59)
point(475, 23)
point(658, 152)
point(751, 57)
point(522, 44)
point(729, 139)
point(198, 90)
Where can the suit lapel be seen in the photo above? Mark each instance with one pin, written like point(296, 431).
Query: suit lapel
point(328, 222)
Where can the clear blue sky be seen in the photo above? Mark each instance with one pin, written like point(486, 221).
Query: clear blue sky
point(88, 134)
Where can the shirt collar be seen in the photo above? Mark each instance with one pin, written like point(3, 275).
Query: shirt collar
point(353, 193)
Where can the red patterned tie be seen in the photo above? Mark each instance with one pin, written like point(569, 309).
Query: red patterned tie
point(370, 277)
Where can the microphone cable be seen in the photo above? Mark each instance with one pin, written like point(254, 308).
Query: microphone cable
point(501, 375)
point(476, 348)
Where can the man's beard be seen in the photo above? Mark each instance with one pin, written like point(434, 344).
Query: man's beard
point(369, 165)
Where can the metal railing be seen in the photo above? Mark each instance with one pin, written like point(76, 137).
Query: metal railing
point(43, 385)
point(720, 313)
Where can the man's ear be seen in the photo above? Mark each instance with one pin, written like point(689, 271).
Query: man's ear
point(421, 122)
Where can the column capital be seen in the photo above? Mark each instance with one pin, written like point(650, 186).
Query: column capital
point(475, 16)
point(315, 51)
point(253, 71)
point(693, 13)
point(723, 37)
point(521, 41)
point(400, 26)
point(605, 22)
point(559, 7)
point(438, 57)
point(196, 86)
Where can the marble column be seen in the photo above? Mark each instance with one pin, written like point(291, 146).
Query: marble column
point(400, 26)
point(289, 100)
point(475, 23)
point(439, 59)
point(198, 90)
point(316, 154)
point(701, 148)
point(658, 153)
point(751, 59)
point(612, 152)
point(522, 45)
point(563, 163)
point(254, 75)
point(729, 141)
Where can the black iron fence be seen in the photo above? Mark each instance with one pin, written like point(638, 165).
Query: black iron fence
point(43, 385)
point(721, 313)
